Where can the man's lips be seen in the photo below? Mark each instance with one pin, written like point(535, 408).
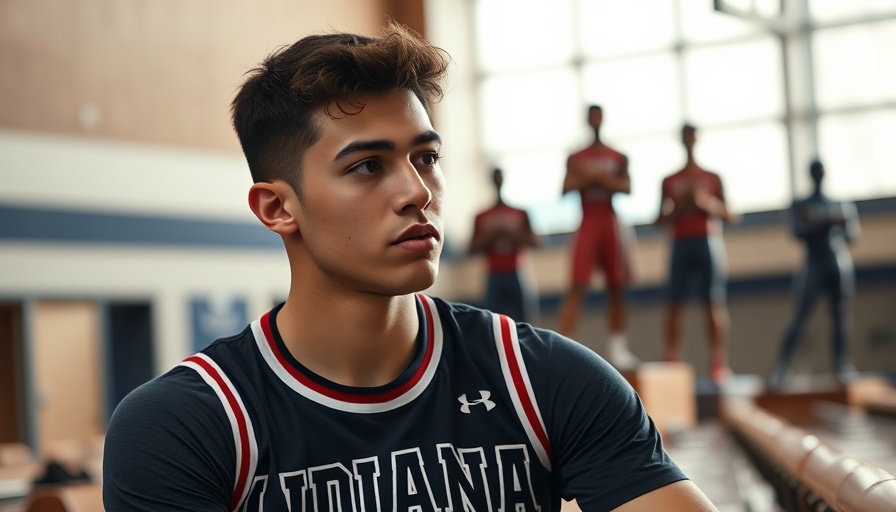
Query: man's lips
point(417, 232)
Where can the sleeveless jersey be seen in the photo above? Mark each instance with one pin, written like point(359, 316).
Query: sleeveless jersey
point(597, 200)
point(693, 222)
point(504, 255)
point(490, 416)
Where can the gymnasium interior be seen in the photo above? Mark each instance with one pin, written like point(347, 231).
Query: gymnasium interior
point(126, 242)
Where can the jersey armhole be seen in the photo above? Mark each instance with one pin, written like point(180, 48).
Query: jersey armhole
point(240, 423)
point(519, 386)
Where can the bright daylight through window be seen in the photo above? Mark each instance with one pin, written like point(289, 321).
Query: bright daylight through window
point(654, 64)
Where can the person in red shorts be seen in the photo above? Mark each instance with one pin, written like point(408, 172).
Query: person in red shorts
point(598, 172)
point(693, 203)
point(502, 232)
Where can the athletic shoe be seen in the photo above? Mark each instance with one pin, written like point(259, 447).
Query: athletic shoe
point(719, 371)
point(621, 357)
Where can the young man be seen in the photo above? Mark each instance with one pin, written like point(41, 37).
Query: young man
point(502, 233)
point(359, 392)
point(827, 228)
point(693, 202)
point(598, 172)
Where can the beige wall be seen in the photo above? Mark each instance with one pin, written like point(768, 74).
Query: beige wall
point(157, 71)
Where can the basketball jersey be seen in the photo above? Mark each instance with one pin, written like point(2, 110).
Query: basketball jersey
point(503, 256)
point(597, 200)
point(490, 416)
point(693, 222)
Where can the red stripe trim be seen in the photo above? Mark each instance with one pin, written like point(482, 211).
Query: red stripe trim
point(356, 397)
point(243, 475)
point(522, 391)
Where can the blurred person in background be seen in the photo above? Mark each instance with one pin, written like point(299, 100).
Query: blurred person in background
point(693, 205)
point(597, 172)
point(502, 233)
point(826, 228)
point(359, 392)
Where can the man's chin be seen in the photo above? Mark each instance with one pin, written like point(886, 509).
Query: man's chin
point(401, 282)
point(422, 279)
point(422, 284)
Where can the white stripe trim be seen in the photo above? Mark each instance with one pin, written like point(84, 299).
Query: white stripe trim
point(231, 416)
point(355, 407)
point(540, 449)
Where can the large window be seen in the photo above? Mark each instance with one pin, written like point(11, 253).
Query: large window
point(654, 64)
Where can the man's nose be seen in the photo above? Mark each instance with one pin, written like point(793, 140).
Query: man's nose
point(413, 189)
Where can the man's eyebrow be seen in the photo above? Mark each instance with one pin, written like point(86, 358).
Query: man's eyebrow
point(365, 145)
point(385, 145)
point(427, 136)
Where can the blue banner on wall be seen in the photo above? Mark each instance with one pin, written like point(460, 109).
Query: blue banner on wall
point(217, 316)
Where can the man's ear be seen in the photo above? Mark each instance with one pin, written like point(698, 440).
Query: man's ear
point(274, 203)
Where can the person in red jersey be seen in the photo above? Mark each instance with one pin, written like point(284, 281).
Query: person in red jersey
point(502, 232)
point(693, 203)
point(598, 172)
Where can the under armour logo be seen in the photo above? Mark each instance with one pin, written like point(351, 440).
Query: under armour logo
point(484, 400)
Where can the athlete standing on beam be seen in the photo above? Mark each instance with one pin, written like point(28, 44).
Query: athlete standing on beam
point(597, 173)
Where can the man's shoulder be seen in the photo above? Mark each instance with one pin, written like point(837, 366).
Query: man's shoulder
point(711, 173)
point(603, 151)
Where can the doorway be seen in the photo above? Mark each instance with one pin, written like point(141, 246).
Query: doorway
point(12, 395)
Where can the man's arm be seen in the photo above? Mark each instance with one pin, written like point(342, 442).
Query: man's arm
point(526, 237)
point(168, 447)
point(669, 207)
point(851, 228)
point(681, 496)
point(606, 452)
point(573, 179)
point(482, 238)
point(485, 237)
point(714, 204)
point(580, 175)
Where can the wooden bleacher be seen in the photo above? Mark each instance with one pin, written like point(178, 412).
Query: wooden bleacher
point(20, 468)
point(807, 472)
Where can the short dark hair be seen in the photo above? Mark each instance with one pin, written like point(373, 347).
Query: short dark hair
point(592, 108)
point(688, 127)
point(273, 112)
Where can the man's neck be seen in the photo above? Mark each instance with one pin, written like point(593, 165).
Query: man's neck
point(597, 143)
point(352, 339)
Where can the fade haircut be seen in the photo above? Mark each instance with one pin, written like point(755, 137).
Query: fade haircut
point(274, 111)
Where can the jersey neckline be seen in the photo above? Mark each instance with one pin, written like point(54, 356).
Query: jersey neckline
point(410, 384)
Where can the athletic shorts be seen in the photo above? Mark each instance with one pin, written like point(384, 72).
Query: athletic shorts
point(506, 293)
point(599, 243)
point(698, 262)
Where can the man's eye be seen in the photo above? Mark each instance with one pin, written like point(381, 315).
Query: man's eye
point(366, 167)
point(429, 159)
